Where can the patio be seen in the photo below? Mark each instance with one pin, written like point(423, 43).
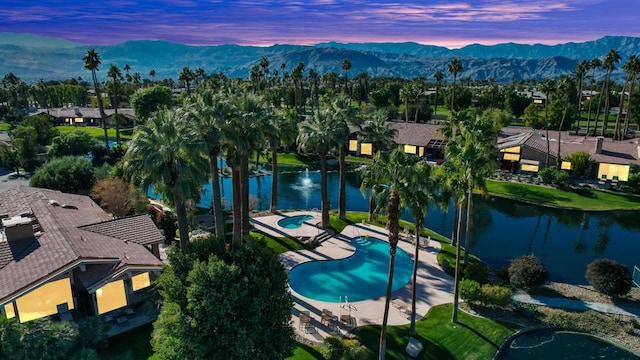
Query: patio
point(434, 285)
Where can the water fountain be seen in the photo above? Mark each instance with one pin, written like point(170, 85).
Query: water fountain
point(306, 180)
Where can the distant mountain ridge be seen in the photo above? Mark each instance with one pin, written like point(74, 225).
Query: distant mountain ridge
point(32, 58)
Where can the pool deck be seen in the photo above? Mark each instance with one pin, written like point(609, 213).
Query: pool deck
point(434, 285)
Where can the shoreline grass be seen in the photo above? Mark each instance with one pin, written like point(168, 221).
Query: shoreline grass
point(572, 199)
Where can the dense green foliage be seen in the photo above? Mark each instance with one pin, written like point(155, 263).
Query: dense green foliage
point(477, 271)
point(609, 277)
point(553, 176)
point(44, 127)
point(581, 163)
point(495, 295)
point(223, 301)
point(70, 174)
point(149, 100)
point(336, 348)
point(72, 143)
point(526, 272)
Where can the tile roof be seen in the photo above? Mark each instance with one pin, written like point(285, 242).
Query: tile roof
point(132, 228)
point(415, 134)
point(64, 240)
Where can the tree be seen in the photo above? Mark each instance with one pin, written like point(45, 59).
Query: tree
point(381, 136)
point(609, 64)
point(527, 272)
point(224, 302)
point(115, 75)
point(547, 86)
point(45, 130)
point(580, 162)
point(346, 67)
point(71, 174)
point(516, 103)
point(594, 64)
point(581, 71)
point(167, 154)
point(207, 112)
point(147, 101)
point(114, 196)
point(73, 143)
point(389, 175)
point(609, 277)
point(439, 76)
point(185, 77)
point(631, 67)
point(26, 142)
point(532, 117)
point(454, 68)
point(92, 63)
point(316, 134)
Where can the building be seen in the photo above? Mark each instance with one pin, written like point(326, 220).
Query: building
point(62, 256)
point(85, 116)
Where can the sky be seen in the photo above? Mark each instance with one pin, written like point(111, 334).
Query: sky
point(451, 24)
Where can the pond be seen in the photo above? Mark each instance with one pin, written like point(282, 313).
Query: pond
point(561, 345)
point(566, 241)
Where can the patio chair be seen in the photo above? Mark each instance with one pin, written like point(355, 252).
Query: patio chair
point(305, 320)
point(327, 317)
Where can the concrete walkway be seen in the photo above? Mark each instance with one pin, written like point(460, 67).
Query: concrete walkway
point(435, 287)
point(571, 304)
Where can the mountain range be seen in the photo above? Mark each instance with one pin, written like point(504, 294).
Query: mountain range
point(32, 57)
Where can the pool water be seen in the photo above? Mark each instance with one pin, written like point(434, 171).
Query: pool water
point(561, 345)
point(361, 276)
point(294, 222)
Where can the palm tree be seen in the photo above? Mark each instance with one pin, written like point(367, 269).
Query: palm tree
point(207, 113)
point(285, 122)
point(346, 67)
point(115, 75)
point(92, 63)
point(439, 76)
point(405, 95)
point(389, 174)
point(186, 75)
point(454, 68)
point(546, 87)
point(629, 68)
point(166, 153)
point(634, 67)
point(381, 137)
point(344, 115)
point(152, 73)
point(580, 72)
point(264, 65)
point(594, 64)
point(317, 134)
point(609, 64)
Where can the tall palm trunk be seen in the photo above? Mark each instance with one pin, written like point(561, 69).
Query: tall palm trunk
point(244, 195)
point(564, 116)
point(181, 214)
point(115, 116)
point(235, 190)
point(467, 231)
point(456, 278)
point(454, 229)
point(590, 102)
point(605, 121)
point(595, 124)
point(323, 189)
point(274, 180)
point(103, 116)
point(342, 197)
point(546, 130)
point(372, 204)
point(453, 94)
point(626, 116)
point(414, 278)
point(616, 133)
point(216, 199)
point(393, 225)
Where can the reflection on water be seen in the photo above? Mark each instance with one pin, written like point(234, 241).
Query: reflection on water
point(565, 240)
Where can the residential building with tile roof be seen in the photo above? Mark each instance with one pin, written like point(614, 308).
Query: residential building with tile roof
point(61, 255)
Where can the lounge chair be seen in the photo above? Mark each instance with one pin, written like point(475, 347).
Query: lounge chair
point(305, 321)
point(327, 317)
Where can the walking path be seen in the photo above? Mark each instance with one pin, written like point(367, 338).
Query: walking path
point(571, 304)
point(435, 287)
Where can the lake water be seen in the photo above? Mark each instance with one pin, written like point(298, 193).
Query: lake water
point(566, 241)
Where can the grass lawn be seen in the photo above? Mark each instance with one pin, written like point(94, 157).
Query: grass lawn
point(472, 338)
point(278, 245)
point(125, 134)
point(581, 199)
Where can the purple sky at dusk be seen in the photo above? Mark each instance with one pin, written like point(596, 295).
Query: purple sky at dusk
point(265, 22)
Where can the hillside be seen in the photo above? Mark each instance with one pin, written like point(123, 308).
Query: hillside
point(32, 58)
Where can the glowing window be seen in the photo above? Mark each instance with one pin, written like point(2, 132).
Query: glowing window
point(353, 145)
point(530, 168)
point(410, 149)
point(537, 101)
point(366, 149)
point(611, 170)
point(79, 120)
point(511, 157)
point(44, 300)
point(140, 281)
point(111, 296)
point(9, 311)
point(566, 165)
point(421, 151)
point(515, 149)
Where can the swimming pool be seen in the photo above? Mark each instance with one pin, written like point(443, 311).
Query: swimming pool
point(361, 276)
point(541, 344)
point(294, 222)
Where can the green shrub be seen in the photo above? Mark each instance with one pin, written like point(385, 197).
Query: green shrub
point(609, 277)
point(495, 295)
point(525, 309)
point(69, 174)
point(477, 271)
point(580, 163)
point(526, 272)
point(632, 185)
point(337, 348)
point(470, 291)
point(553, 176)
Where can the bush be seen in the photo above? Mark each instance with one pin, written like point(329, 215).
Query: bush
point(632, 185)
point(477, 271)
point(337, 348)
point(580, 163)
point(68, 174)
point(553, 176)
point(495, 295)
point(526, 272)
point(609, 277)
point(470, 291)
